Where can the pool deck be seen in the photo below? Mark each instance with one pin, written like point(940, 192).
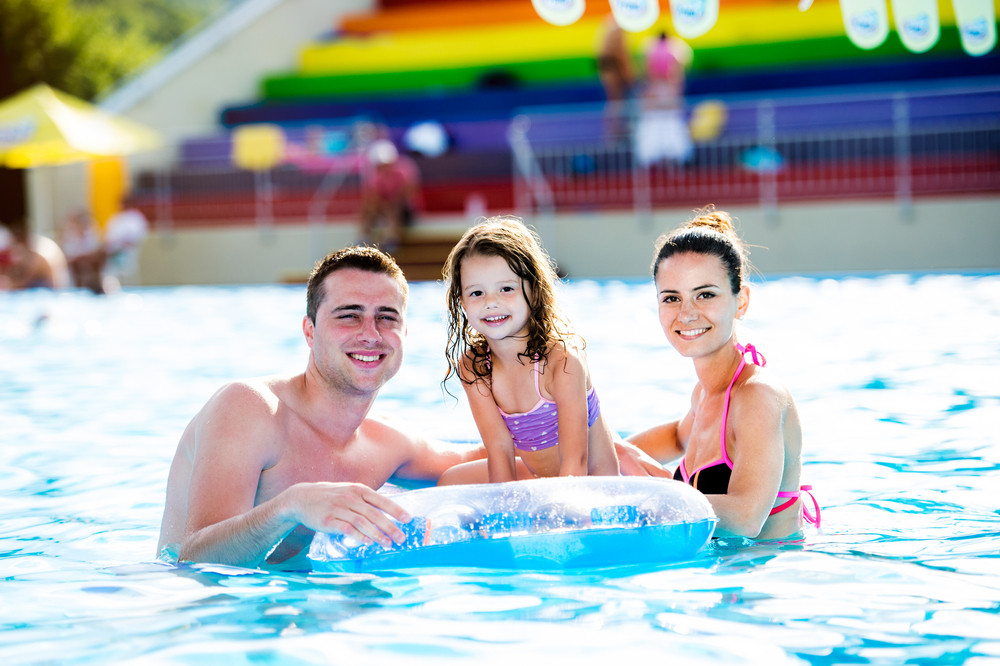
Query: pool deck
point(933, 234)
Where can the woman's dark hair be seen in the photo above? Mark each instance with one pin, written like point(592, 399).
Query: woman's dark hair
point(710, 232)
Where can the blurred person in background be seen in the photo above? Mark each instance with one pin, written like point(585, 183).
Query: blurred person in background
point(390, 190)
point(662, 132)
point(31, 262)
point(614, 69)
point(81, 244)
point(122, 239)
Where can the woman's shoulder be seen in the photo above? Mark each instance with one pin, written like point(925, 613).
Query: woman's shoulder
point(762, 389)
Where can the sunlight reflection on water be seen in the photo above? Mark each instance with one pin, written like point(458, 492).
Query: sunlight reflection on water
point(895, 378)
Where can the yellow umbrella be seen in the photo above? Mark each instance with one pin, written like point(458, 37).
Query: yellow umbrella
point(43, 126)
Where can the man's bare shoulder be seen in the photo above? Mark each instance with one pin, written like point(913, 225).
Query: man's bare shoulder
point(243, 412)
point(260, 394)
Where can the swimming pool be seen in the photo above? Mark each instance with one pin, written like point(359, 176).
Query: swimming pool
point(896, 381)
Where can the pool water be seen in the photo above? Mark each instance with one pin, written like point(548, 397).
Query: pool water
point(896, 381)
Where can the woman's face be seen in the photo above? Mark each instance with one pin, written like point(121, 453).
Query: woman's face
point(697, 307)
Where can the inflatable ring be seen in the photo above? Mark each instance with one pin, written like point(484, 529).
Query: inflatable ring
point(543, 524)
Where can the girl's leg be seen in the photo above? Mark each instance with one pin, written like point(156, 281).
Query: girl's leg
point(477, 472)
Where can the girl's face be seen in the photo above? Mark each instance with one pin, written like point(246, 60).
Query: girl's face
point(697, 307)
point(493, 297)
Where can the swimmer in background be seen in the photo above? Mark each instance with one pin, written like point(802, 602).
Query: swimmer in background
point(740, 442)
point(523, 369)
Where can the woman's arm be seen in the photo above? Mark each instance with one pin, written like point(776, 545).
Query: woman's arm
point(660, 442)
point(756, 447)
point(667, 441)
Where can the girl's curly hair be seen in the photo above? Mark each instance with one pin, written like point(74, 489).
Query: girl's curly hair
point(506, 237)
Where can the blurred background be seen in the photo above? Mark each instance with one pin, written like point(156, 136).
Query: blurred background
point(220, 141)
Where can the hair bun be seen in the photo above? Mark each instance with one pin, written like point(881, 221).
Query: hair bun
point(719, 220)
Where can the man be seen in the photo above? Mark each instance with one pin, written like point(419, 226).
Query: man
point(266, 456)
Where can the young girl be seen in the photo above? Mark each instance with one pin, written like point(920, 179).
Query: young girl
point(740, 440)
point(523, 370)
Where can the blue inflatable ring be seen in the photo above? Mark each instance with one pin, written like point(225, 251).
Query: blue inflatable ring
point(543, 524)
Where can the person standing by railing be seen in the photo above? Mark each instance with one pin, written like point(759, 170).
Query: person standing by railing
point(661, 131)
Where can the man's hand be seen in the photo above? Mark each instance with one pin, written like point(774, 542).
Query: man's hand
point(352, 509)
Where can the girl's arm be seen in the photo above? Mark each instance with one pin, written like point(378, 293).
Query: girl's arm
point(757, 449)
point(496, 437)
point(566, 382)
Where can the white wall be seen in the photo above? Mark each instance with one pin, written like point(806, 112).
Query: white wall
point(238, 255)
point(850, 236)
point(961, 234)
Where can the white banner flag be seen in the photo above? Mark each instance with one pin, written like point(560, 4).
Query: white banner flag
point(693, 18)
point(917, 23)
point(977, 25)
point(635, 15)
point(560, 12)
point(865, 21)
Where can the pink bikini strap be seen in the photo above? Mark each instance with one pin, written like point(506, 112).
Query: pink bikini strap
point(811, 518)
point(759, 360)
point(537, 389)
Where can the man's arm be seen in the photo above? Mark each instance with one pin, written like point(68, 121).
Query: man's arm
point(422, 458)
point(347, 508)
point(234, 440)
point(228, 444)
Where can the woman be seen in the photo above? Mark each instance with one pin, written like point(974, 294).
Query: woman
point(740, 441)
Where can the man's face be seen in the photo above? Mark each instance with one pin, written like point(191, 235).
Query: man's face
point(357, 340)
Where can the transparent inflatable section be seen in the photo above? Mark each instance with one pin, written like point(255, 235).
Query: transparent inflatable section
point(496, 524)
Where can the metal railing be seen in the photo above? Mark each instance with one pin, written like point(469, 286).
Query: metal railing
point(767, 152)
point(771, 151)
